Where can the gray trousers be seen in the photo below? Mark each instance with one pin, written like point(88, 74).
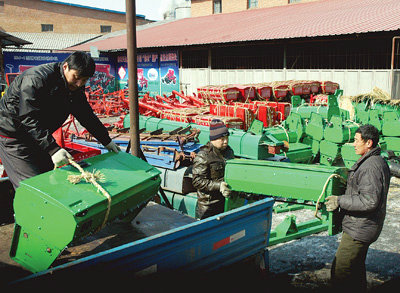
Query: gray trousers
point(23, 159)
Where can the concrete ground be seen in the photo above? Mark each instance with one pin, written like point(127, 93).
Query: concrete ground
point(306, 262)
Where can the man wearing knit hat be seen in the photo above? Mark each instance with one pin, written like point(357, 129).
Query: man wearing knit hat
point(208, 172)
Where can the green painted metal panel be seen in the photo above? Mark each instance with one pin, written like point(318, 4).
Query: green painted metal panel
point(289, 180)
point(315, 127)
point(392, 143)
point(281, 134)
point(349, 155)
point(330, 153)
point(295, 123)
point(185, 203)
point(248, 145)
point(338, 131)
point(390, 124)
point(50, 212)
point(306, 111)
point(374, 119)
point(299, 153)
point(332, 109)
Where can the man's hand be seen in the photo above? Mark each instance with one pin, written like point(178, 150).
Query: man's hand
point(331, 203)
point(113, 147)
point(224, 189)
point(61, 157)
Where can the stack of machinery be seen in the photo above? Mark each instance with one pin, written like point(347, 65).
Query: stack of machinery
point(329, 131)
point(310, 149)
point(319, 136)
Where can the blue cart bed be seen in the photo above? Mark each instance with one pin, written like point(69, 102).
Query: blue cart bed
point(160, 240)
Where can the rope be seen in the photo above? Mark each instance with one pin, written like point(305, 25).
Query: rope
point(92, 177)
point(348, 127)
point(286, 132)
point(323, 191)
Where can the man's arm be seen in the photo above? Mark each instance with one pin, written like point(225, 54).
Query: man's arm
point(29, 112)
point(200, 175)
point(370, 188)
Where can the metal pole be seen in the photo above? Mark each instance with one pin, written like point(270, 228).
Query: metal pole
point(392, 91)
point(132, 75)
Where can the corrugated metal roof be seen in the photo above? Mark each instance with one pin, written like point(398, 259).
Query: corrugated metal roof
point(299, 20)
point(53, 41)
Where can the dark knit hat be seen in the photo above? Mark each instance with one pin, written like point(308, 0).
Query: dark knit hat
point(217, 129)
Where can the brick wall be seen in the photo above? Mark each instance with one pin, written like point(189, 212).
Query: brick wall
point(205, 7)
point(201, 7)
point(233, 5)
point(29, 15)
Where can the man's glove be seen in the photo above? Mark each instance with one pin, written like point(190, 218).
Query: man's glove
point(224, 189)
point(331, 203)
point(113, 147)
point(61, 157)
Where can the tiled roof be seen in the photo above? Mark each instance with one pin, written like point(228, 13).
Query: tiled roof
point(11, 40)
point(52, 41)
point(299, 20)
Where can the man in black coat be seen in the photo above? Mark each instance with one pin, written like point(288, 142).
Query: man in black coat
point(208, 172)
point(36, 104)
point(364, 208)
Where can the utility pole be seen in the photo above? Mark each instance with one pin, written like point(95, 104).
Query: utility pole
point(132, 77)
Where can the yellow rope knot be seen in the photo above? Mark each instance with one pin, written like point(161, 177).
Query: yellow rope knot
point(92, 177)
point(89, 177)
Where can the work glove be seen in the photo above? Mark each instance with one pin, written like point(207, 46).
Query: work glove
point(331, 203)
point(113, 147)
point(60, 157)
point(224, 189)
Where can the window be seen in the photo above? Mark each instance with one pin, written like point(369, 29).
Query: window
point(217, 7)
point(195, 59)
point(252, 3)
point(105, 29)
point(47, 27)
point(1, 6)
point(294, 1)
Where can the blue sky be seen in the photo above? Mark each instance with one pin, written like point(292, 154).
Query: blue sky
point(152, 9)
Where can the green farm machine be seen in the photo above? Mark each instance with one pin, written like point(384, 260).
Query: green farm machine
point(51, 213)
point(299, 163)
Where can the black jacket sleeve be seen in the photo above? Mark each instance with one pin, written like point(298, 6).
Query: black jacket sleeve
point(368, 195)
point(201, 178)
point(29, 111)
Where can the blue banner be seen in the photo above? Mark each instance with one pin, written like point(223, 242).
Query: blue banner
point(157, 74)
point(169, 71)
point(104, 77)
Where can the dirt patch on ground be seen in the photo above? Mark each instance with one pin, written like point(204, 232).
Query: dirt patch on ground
point(307, 261)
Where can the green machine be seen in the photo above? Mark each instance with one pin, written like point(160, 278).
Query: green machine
point(391, 130)
point(51, 212)
point(306, 184)
point(257, 143)
point(336, 133)
point(321, 130)
point(332, 109)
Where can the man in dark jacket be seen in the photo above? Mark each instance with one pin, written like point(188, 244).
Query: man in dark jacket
point(208, 172)
point(36, 104)
point(364, 208)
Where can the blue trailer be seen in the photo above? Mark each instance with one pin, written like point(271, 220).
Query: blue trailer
point(167, 241)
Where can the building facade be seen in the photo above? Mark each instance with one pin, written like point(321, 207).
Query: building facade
point(35, 16)
point(208, 7)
